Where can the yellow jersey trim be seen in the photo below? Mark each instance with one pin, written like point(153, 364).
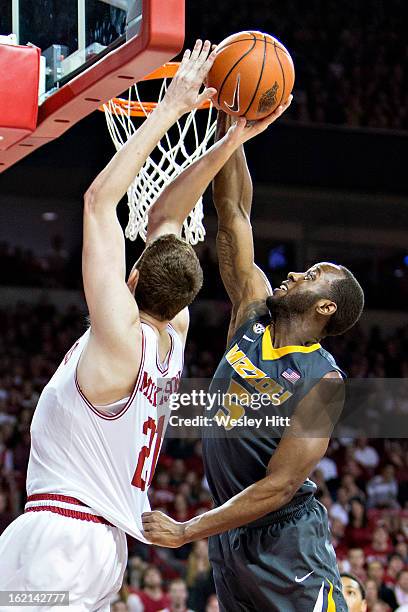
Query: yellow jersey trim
point(269, 352)
point(331, 606)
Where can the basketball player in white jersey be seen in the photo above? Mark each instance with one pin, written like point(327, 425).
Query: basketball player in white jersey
point(99, 423)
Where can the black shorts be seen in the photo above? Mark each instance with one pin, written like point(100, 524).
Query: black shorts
point(288, 566)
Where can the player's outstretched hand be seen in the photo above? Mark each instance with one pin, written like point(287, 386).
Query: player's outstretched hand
point(183, 94)
point(244, 130)
point(162, 530)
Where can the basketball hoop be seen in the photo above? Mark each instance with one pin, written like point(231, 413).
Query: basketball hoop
point(167, 161)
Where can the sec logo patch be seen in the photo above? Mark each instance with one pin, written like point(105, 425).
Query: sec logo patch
point(258, 328)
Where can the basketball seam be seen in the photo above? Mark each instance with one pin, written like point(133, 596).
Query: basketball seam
point(260, 77)
point(233, 68)
point(283, 77)
point(268, 42)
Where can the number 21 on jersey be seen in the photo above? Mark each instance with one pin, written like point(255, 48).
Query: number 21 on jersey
point(141, 479)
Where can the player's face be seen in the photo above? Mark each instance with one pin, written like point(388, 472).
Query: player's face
point(352, 595)
point(302, 290)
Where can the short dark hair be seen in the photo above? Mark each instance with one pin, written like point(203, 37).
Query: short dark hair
point(360, 584)
point(347, 294)
point(170, 276)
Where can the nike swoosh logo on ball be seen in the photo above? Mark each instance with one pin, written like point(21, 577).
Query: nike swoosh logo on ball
point(234, 107)
point(304, 577)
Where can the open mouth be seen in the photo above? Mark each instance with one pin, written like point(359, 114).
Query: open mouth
point(282, 287)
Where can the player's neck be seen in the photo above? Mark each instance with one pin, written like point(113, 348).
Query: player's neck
point(292, 332)
point(159, 325)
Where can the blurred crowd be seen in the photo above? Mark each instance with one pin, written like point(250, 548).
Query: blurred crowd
point(344, 54)
point(363, 483)
point(56, 269)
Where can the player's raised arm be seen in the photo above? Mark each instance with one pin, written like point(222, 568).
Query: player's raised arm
point(115, 329)
point(245, 283)
point(168, 213)
point(300, 449)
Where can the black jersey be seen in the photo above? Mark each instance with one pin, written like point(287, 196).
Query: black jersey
point(253, 366)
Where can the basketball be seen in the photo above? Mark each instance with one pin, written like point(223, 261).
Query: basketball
point(253, 74)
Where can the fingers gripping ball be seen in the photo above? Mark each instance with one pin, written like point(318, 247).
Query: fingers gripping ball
point(253, 74)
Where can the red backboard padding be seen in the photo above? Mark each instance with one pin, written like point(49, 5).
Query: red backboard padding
point(161, 38)
point(19, 70)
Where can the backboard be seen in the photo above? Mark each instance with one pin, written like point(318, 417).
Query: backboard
point(91, 51)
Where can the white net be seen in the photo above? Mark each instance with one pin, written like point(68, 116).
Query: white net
point(164, 165)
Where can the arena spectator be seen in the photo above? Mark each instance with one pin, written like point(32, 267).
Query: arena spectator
point(380, 547)
point(402, 549)
point(356, 562)
point(178, 597)
point(375, 571)
point(365, 454)
point(119, 606)
point(6, 516)
point(372, 597)
point(161, 494)
point(340, 509)
point(358, 533)
point(328, 467)
point(151, 597)
point(382, 489)
point(401, 588)
point(394, 567)
point(380, 606)
point(199, 576)
point(354, 593)
point(348, 481)
point(212, 604)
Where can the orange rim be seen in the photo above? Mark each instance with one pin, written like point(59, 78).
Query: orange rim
point(137, 109)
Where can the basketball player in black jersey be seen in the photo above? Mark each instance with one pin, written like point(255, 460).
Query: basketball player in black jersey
point(269, 538)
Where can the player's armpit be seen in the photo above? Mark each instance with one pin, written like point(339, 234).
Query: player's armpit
point(181, 323)
point(244, 313)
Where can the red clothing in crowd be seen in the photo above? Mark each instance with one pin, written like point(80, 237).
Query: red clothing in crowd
point(152, 605)
point(371, 554)
point(358, 537)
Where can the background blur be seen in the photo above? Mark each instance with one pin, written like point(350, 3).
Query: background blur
point(330, 184)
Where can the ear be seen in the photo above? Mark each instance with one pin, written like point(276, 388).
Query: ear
point(326, 307)
point(133, 280)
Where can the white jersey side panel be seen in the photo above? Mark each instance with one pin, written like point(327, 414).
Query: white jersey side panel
point(105, 460)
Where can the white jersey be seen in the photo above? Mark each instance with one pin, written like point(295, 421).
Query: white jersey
point(105, 459)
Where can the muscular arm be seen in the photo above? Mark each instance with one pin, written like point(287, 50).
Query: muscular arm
point(298, 452)
point(245, 283)
point(113, 351)
point(168, 213)
point(179, 198)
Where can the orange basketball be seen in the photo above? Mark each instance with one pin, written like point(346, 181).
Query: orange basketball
point(253, 74)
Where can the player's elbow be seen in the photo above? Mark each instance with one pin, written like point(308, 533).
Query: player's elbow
point(97, 196)
point(90, 200)
point(282, 491)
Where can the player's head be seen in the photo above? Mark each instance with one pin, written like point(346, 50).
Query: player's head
point(327, 295)
point(170, 276)
point(178, 594)
point(354, 593)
